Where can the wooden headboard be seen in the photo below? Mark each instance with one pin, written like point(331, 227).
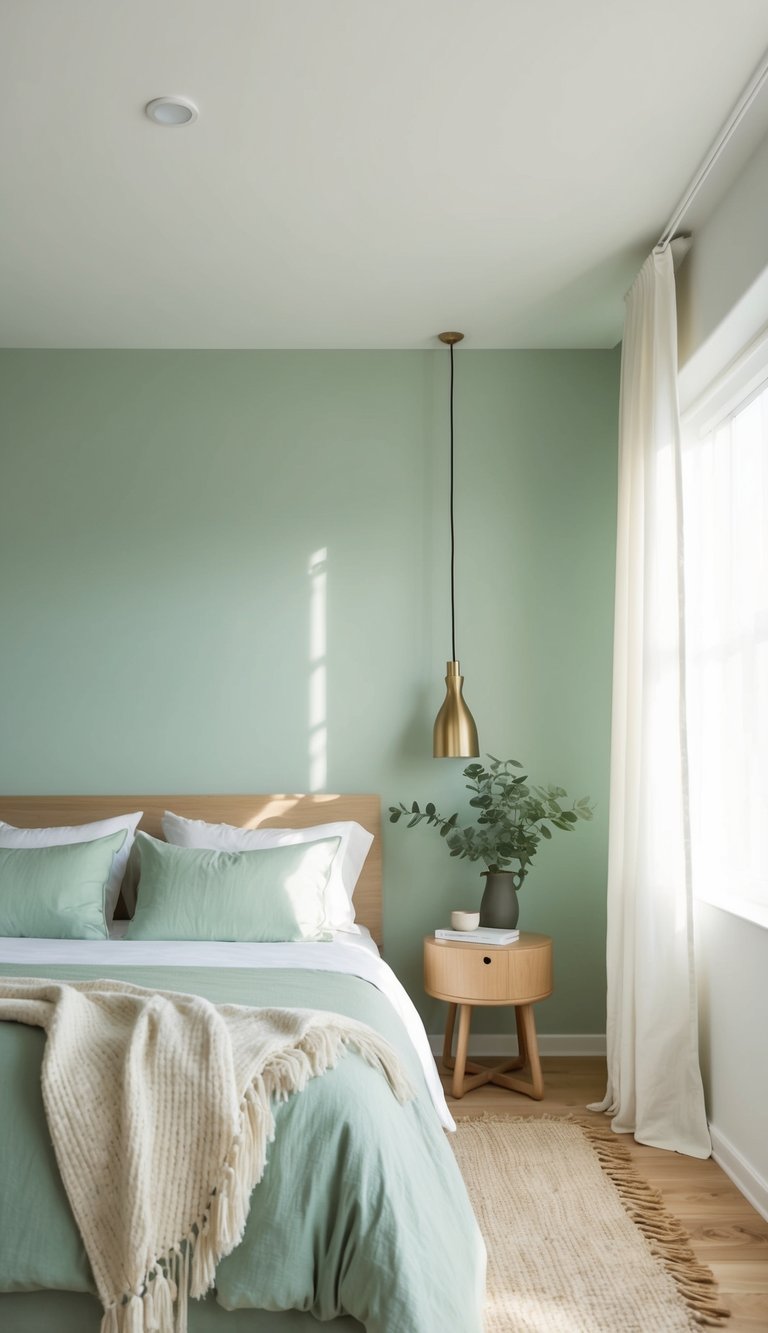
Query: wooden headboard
point(244, 811)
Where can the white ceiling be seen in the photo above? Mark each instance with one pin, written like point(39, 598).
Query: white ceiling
point(363, 173)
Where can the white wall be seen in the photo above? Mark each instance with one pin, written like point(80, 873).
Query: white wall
point(722, 286)
point(732, 967)
point(722, 304)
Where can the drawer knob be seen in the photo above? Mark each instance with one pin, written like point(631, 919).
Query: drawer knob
point(486, 960)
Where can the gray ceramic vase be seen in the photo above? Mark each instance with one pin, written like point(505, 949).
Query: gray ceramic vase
point(499, 907)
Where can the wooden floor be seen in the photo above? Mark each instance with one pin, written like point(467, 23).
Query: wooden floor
point(726, 1232)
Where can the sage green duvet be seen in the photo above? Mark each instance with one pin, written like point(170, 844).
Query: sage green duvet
point(361, 1210)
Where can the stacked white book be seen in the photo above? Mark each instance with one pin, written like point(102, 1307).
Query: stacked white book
point(488, 935)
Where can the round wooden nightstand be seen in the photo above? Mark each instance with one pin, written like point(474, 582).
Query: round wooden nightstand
point(467, 975)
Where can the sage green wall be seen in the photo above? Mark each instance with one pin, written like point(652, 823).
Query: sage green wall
point(158, 515)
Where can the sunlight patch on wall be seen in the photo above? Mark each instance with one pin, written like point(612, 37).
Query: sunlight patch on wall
point(318, 732)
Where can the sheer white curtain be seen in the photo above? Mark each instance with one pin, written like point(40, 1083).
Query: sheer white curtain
point(654, 1084)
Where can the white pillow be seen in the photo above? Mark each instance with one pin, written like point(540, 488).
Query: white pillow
point(345, 871)
point(65, 834)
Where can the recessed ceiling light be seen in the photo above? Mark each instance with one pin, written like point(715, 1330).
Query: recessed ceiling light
point(171, 111)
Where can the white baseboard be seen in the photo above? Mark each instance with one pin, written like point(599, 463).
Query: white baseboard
point(741, 1172)
point(504, 1044)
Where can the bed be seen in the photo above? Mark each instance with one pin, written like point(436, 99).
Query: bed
point(361, 1220)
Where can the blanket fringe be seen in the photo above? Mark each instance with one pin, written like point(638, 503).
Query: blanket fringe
point(189, 1267)
point(109, 1320)
point(666, 1236)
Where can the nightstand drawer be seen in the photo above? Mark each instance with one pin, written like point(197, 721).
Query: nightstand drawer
point(469, 973)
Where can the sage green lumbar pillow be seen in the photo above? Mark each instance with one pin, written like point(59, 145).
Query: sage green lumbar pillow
point(277, 893)
point(57, 892)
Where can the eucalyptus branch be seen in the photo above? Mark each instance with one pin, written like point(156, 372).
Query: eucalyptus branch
point(513, 816)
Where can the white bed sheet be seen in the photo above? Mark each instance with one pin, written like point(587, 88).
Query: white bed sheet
point(353, 954)
point(360, 938)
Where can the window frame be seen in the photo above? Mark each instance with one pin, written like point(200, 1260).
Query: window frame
point(729, 393)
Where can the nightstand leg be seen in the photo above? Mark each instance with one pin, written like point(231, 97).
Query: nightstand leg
point(532, 1050)
point(448, 1042)
point(529, 1050)
point(465, 1018)
point(522, 1045)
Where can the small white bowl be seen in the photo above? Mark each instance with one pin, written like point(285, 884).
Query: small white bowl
point(465, 920)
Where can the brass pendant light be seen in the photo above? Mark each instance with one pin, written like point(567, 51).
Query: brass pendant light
point(455, 733)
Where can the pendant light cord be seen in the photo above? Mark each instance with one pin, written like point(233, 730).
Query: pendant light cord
point(453, 535)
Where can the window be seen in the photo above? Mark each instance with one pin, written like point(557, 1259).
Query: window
point(725, 503)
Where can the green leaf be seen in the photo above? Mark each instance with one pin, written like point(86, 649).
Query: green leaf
point(430, 809)
point(413, 821)
point(570, 816)
point(394, 816)
point(415, 808)
point(545, 832)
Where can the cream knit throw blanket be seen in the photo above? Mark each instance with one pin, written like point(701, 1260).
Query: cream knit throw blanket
point(158, 1106)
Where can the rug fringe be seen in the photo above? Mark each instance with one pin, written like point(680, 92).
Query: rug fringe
point(666, 1236)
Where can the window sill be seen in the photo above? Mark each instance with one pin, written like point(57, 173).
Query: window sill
point(746, 908)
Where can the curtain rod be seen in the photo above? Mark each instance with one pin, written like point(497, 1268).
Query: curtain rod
point(747, 98)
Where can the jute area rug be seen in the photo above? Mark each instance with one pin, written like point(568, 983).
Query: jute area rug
point(577, 1241)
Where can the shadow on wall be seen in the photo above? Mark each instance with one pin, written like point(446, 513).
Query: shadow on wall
point(415, 739)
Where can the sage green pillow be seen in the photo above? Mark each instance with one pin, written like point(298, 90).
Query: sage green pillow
point(57, 893)
point(275, 893)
